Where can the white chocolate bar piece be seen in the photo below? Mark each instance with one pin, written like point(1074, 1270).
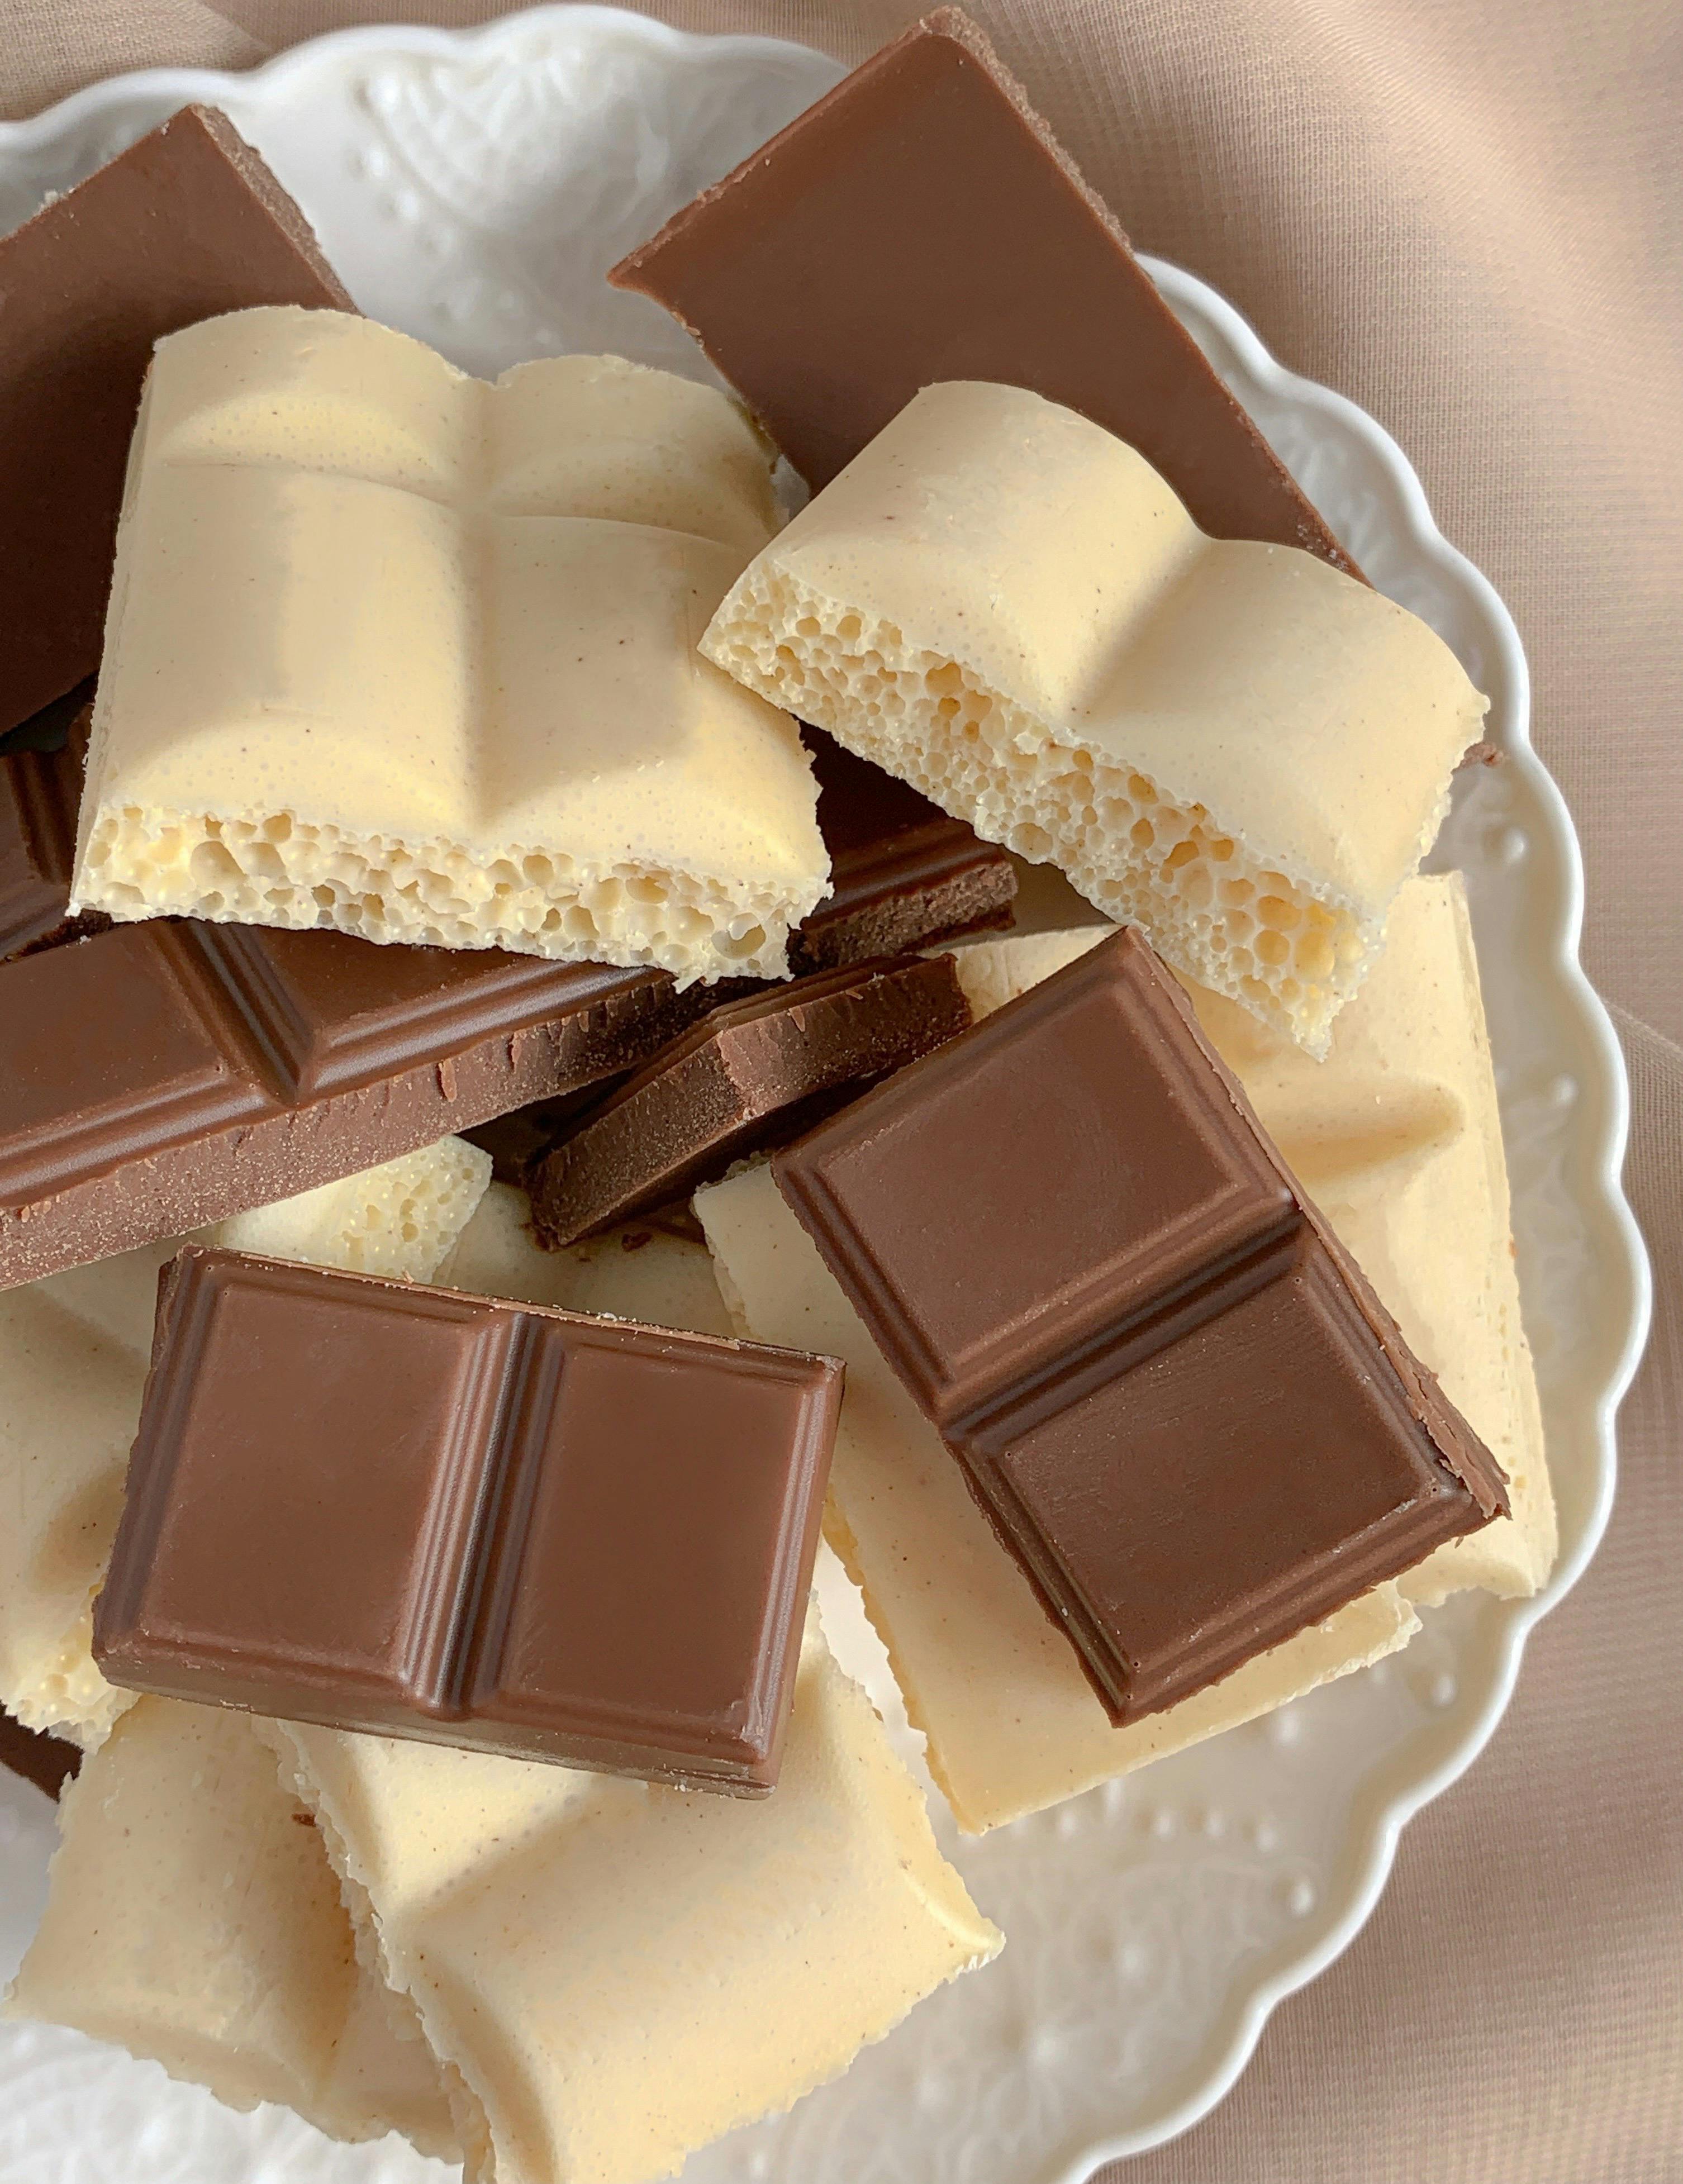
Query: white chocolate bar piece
point(1230, 744)
point(617, 1974)
point(74, 1349)
point(397, 650)
point(192, 1917)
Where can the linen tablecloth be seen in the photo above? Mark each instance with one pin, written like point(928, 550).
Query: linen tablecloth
point(1469, 219)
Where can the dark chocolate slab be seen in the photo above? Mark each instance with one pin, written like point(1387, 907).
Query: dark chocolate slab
point(1174, 1392)
point(921, 223)
point(46, 1761)
point(167, 1073)
point(388, 1508)
point(903, 875)
point(187, 223)
point(751, 1073)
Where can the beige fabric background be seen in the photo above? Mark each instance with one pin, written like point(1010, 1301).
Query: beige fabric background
point(1467, 217)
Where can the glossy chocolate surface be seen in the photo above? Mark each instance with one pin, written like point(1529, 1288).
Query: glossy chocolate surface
point(1174, 1392)
point(921, 223)
point(388, 1508)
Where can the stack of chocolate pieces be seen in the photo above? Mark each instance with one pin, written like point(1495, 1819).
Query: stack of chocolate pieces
point(382, 1504)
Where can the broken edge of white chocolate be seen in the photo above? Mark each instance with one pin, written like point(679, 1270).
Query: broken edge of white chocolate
point(192, 1917)
point(509, 741)
point(616, 1974)
point(1230, 744)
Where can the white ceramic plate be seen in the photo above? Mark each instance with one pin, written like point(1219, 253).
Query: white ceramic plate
point(472, 189)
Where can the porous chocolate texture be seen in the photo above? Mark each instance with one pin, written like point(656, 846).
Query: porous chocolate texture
point(750, 1074)
point(383, 1507)
point(1174, 1393)
point(186, 224)
point(923, 223)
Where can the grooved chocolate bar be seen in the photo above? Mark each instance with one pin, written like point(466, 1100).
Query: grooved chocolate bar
point(902, 874)
point(186, 224)
point(388, 1508)
point(747, 1075)
point(922, 223)
point(168, 1073)
point(1175, 1395)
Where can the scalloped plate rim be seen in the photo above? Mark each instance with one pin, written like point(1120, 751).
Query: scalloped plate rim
point(1374, 1856)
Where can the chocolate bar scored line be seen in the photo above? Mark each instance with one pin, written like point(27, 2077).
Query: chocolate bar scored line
point(402, 1509)
point(164, 1073)
point(1171, 1390)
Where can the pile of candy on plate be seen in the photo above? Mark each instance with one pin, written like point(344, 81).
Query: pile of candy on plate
point(406, 776)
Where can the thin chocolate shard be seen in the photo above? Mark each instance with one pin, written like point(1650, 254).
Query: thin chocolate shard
point(753, 1073)
point(1174, 1392)
point(383, 1507)
point(46, 1761)
point(185, 224)
point(903, 875)
point(165, 1074)
point(39, 788)
point(922, 223)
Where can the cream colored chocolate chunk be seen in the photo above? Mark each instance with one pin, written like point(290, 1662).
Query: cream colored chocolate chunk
point(1396, 1135)
point(74, 1351)
point(617, 1974)
point(1230, 744)
point(405, 652)
point(192, 1917)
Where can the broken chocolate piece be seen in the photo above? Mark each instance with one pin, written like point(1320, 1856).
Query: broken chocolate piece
point(185, 224)
point(39, 788)
point(1171, 1389)
point(46, 1761)
point(382, 1506)
point(752, 1074)
point(166, 1074)
point(902, 874)
point(922, 223)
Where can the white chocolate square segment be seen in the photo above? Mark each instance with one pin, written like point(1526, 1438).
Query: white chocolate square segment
point(400, 652)
point(1230, 744)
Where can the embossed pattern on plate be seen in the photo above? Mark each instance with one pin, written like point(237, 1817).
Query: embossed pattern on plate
point(473, 188)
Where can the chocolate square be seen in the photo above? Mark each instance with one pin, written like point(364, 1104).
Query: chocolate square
point(400, 1509)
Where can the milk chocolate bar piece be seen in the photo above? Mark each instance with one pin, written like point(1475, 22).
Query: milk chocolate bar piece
point(39, 788)
point(902, 874)
point(1174, 1392)
point(922, 223)
point(46, 1761)
point(382, 1507)
point(168, 1073)
point(750, 1074)
point(186, 224)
